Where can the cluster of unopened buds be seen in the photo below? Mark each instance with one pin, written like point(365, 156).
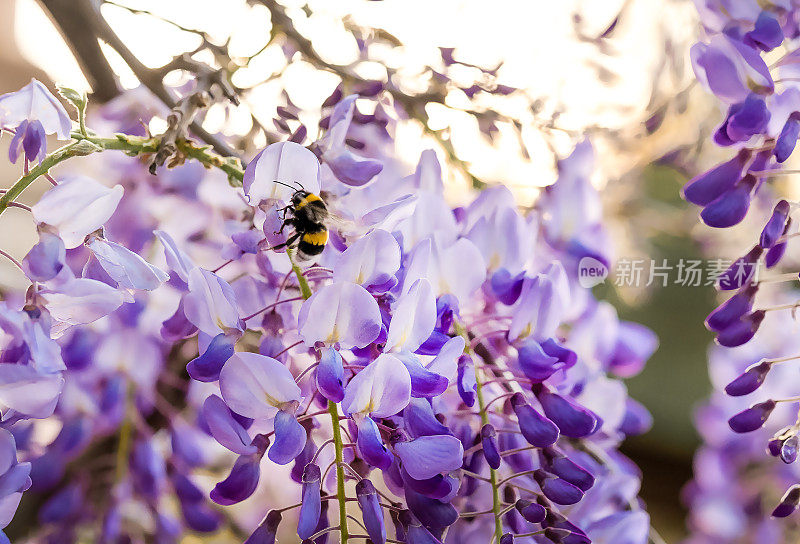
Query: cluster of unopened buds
point(749, 61)
point(440, 368)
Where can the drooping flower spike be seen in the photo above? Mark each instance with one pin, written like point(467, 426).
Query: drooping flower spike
point(752, 366)
point(448, 353)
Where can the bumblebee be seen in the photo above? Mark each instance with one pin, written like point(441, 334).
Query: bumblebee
point(307, 214)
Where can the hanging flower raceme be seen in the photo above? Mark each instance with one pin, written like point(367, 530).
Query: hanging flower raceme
point(445, 362)
point(761, 127)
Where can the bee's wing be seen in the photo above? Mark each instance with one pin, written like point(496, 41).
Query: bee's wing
point(345, 226)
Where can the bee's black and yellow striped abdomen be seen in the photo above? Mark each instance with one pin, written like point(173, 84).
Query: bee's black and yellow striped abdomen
point(312, 242)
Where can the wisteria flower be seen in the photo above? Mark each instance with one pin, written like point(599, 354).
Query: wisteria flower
point(32, 112)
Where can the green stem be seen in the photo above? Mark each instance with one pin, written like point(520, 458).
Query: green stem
point(52, 159)
point(333, 410)
point(125, 431)
point(497, 506)
point(305, 290)
point(132, 145)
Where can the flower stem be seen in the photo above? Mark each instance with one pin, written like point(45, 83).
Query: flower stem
point(305, 290)
point(124, 445)
point(496, 504)
point(57, 156)
point(333, 410)
point(83, 144)
point(340, 495)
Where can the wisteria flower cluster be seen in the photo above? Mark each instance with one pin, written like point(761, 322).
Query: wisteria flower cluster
point(427, 374)
point(734, 485)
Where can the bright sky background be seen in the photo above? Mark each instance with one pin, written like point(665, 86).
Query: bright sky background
point(535, 40)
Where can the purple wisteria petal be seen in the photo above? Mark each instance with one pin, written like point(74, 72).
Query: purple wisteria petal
point(535, 363)
point(210, 303)
point(177, 260)
point(369, 503)
point(347, 168)
point(287, 162)
point(207, 366)
point(537, 429)
point(256, 386)
point(787, 140)
point(77, 207)
point(382, 388)
point(434, 514)
point(290, 439)
point(330, 375)
point(741, 331)
point(708, 186)
point(566, 469)
point(420, 419)
point(127, 268)
point(731, 207)
point(744, 120)
point(35, 102)
point(267, 532)
point(775, 226)
point(557, 490)
point(750, 380)
point(730, 69)
point(371, 446)
point(752, 418)
point(789, 502)
point(45, 259)
point(177, 327)
point(542, 305)
point(424, 383)
point(446, 361)
point(311, 505)
point(637, 419)
point(767, 33)
point(634, 346)
point(427, 456)
point(240, 483)
point(343, 313)
point(81, 301)
point(572, 419)
point(489, 446)
point(741, 271)
point(225, 428)
point(531, 511)
point(371, 261)
point(413, 318)
point(467, 385)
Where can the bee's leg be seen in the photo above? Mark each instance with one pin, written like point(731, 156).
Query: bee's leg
point(292, 239)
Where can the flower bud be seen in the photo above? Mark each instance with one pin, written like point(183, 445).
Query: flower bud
point(775, 226)
point(372, 514)
point(556, 489)
point(489, 444)
point(788, 503)
point(750, 380)
point(308, 518)
point(706, 187)
point(572, 419)
point(752, 418)
point(537, 429)
point(267, 532)
point(531, 511)
point(741, 331)
point(732, 309)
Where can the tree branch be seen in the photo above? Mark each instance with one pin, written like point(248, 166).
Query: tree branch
point(70, 16)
